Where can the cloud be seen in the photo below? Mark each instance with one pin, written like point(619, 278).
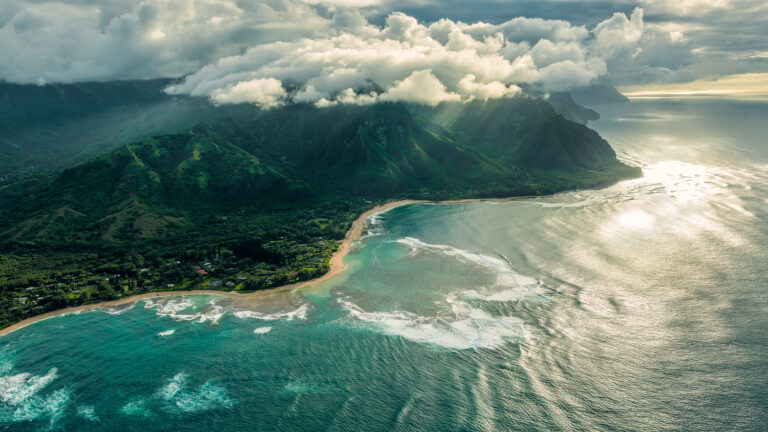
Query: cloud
point(266, 92)
point(420, 87)
point(429, 64)
point(81, 40)
point(484, 91)
point(333, 50)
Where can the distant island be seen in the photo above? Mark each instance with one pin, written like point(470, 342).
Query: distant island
point(237, 198)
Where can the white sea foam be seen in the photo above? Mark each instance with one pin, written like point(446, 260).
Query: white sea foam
point(15, 389)
point(300, 387)
point(136, 407)
point(467, 328)
point(177, 308)
point(373, 225)
point(300, 313)
point(88, 412)
point(517, 286)
point(167, 332)
point(177, 397)
point(262, 330)
point(21, 401)
point(184, 309)
point(169, 305)
point(120, 309)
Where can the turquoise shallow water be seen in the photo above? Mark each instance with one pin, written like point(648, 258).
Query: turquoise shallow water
point(642, 306)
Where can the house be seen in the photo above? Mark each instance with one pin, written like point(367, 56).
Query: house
point(202, 272)
point(214, 283)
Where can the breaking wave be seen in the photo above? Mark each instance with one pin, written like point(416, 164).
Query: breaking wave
point(21, 399)
point(88, 412)
point(466, 328)
point(515, 286)
point(373, 226)
point(176, 396)
point(298, 313)
point(136, 407)
point(119, 310)
point(182, 309)
point(262, 330)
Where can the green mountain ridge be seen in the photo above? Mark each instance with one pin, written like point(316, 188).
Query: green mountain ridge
point(378, 152)
point(59, 125)
point(262, 194)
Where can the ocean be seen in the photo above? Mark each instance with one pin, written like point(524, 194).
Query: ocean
point(639, 307)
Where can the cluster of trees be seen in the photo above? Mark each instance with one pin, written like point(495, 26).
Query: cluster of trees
point(239, 251)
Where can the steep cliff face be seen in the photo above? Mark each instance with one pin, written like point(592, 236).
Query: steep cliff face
point(564, 104)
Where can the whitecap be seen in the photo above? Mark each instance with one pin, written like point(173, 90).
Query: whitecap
point(136, 407)
point(373, 224)
point(300, 387)
point(300, 313)
point(167, 332)
point(21, 401)
point(467, 328)
point(120, 309)
point(177, 397)
point(177, 308)
point(518, 286)
point(88, 412)
point(262, 330)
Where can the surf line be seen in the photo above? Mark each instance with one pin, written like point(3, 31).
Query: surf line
point(336, 266)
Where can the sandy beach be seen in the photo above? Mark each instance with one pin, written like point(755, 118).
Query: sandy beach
point(336, 266)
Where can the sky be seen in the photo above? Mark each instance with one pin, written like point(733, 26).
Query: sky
point(337, 51)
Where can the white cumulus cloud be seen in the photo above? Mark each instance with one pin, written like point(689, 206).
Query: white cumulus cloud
point(267, 92)
point(429, 64)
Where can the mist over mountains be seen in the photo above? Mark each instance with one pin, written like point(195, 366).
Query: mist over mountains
point(221, 158)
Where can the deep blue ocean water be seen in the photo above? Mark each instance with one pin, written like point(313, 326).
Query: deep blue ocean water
point(642, 306)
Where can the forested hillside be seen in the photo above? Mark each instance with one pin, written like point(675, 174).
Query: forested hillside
point(255, 198)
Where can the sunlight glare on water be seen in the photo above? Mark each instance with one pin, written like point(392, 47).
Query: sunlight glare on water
point(641, 306)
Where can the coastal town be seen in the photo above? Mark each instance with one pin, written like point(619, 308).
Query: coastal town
point(241, 267)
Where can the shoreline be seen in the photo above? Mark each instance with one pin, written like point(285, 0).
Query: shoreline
point(336, 266)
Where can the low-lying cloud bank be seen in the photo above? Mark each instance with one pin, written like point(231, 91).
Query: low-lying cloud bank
point(327, 52)
point(413, 62)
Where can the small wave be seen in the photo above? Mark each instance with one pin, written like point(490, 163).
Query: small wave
point(177, 397)
point(373, 226)
point(88, 412)
point(520, 286)
point(468, 327)
point(300, 313)
point(300, 387)
point(136, 408)
point(167, 332)
point(21, 401)
point(184, 309)
point(262, 330)
point(175, 306)
point(119, 310)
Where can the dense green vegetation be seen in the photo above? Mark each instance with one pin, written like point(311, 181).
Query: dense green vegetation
point(259, 198)
point(59, 125)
